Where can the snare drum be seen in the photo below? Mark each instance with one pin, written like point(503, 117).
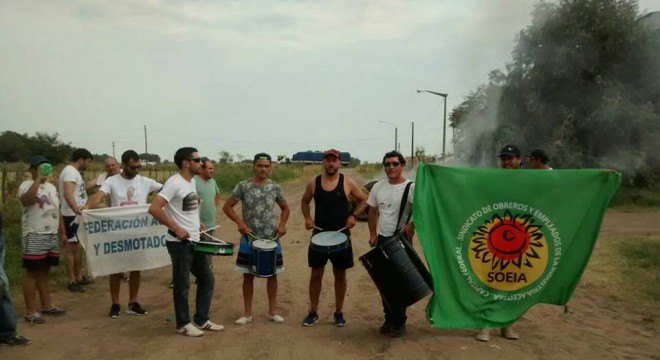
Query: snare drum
point(263, 257)
point(214, 247)
point(329, 242)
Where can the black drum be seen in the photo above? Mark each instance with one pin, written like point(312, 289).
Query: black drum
point(398, 272)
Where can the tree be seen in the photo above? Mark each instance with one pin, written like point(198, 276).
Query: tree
point(584, 84)
point(150, 157)
point(13, 147)
point(17, 147)
point(225, 157)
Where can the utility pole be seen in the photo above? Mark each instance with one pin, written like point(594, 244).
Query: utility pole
point(113, 150)
point(412, 147)
point(146, 151)
point(396, 132)
point(444, 121)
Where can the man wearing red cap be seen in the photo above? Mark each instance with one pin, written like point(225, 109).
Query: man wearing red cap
point(330, 191)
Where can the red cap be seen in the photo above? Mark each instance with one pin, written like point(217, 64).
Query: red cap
point(333, 152)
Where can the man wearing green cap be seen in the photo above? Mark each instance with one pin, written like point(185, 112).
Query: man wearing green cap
point(258, 196)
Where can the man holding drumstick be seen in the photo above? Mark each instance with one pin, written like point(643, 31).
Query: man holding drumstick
point(330, 191)
point(258, 196)
point(176, 207)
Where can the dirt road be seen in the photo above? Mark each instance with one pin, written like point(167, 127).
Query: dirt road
point(596, 328)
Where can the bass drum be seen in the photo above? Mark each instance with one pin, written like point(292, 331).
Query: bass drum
point(398, 272)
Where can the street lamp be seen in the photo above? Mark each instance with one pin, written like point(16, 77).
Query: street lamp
point(444, 121)
point(396, 130)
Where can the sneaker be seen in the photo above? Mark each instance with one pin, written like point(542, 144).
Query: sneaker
point(397, 331)
point(244, 320)
point(53, 311)
point(75, 287)
point(311, 319)
point(339, 319)
point(115, 310)
point(386, 327)
point(85, 281)
point(483, 335)
point(134, 308)
point(276, 318)
point(208, 325)
point(35, 318)
point(508, 334)
point(16, 340)
point(190, 330)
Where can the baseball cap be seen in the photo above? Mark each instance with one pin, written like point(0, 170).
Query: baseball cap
point(333, 152)
point(261, 156)
point(509, 150)
point(539, 154)
point(37, 160)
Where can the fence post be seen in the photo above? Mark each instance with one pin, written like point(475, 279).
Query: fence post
point(4, 181)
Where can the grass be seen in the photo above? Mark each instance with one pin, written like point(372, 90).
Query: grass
point(631, 199)
point(641, 266)
point(228, 175)
point(368, 171)
point(626, 269)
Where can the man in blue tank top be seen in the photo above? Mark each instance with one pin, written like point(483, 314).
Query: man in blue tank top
point(330, 191)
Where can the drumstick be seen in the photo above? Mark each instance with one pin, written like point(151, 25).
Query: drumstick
point(207, 230)
point(317, 228)
point(256, 237)
point(218, 240)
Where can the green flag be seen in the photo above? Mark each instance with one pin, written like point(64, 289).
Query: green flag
point(499, 241)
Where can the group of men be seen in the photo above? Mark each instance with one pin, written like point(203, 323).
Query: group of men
point(186, 205)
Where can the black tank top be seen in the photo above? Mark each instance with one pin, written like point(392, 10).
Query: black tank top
point(331, 207)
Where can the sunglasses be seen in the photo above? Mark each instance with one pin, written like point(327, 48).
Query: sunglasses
point(196, 160)
point(393, 163)
point(134, 168)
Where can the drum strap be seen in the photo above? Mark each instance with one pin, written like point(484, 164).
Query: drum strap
point(404, 201)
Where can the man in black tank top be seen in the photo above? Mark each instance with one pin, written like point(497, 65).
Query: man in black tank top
point(332, 217)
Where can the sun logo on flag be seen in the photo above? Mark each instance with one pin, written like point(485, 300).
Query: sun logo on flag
point(508, 252)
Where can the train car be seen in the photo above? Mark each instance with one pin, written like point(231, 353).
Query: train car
point(316, 157)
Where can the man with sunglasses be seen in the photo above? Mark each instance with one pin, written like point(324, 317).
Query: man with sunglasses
point(330, 191)
point(385, 221)
point(125, 189)
point(258, 196)
point(177, 207)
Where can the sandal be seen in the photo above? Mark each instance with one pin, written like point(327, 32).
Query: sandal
point(35, 318)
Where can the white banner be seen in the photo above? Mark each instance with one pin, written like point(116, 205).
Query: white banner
point(120, 239)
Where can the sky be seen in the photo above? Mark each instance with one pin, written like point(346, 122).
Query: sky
point(249, 76)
